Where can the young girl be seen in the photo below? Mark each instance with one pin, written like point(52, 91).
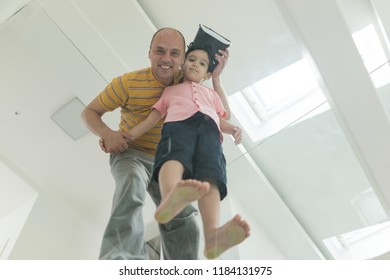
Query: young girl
point(189, 163)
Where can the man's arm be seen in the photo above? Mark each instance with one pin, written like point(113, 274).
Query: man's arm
point(114, 141)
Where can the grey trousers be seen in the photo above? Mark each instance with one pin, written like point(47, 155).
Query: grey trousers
point(124, 234)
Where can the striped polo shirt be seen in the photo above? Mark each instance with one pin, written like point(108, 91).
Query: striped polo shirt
point(135, 93)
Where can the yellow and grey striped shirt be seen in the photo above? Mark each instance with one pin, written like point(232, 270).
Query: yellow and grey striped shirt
point(135, 93)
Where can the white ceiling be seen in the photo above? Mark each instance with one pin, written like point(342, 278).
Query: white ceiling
point(10, 7)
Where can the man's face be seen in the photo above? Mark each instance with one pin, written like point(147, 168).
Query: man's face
point(166, 55)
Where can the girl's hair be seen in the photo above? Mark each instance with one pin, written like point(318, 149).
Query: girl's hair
point(212, 61)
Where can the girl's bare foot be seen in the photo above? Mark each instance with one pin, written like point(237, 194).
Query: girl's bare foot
point(230, 234)
point(186, 191)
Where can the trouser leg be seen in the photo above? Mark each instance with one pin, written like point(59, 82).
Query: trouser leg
point(124, 234)
point(180, 237)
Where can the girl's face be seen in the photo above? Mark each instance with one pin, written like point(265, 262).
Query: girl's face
point(196, 65)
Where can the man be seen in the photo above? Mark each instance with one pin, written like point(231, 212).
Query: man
point(132, 161)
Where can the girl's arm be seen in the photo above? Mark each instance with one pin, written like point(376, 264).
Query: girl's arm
point(146, 124)
point(217, 85)
point(222, 58)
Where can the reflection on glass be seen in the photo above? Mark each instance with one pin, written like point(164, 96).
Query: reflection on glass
point(276, 101)
point(373, 56)
point(310, 163)
point(366, 243)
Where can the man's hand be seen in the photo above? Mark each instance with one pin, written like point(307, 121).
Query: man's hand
point(115, 142)
point(231, 129)
point(237, 134)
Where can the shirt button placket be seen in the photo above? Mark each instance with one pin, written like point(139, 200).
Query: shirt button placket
point(195, 94)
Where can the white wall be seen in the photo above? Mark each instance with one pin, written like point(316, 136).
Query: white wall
point(55, 231)
point(11, 226)
point(16, 200)
point(37, 225)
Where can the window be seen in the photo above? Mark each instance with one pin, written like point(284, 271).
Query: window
point(267, 106)
point(366, 243)
point(374, 58)
point(293, 93)
point(280, 90)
